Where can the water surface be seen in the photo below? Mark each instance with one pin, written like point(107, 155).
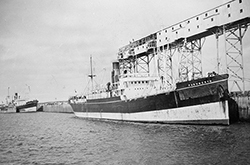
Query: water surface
point(57, 138)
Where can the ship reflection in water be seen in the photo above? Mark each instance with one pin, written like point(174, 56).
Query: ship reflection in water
point(56, 138)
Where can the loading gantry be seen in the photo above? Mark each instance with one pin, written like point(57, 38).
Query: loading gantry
point(186, 40)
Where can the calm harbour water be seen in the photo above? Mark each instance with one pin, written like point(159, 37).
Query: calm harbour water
point(57, 138)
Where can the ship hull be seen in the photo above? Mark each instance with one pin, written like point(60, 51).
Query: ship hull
point(162, 108)
point(30, 109)
point(210, 113)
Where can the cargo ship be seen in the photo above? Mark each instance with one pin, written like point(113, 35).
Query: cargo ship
point(17, 104)
point(143, 98)
point(24, 105)
point(27, 106)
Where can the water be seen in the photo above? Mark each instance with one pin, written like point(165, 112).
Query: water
point(56, 138)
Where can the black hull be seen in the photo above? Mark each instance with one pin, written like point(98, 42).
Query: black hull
point(182, 97)
point(29, 104)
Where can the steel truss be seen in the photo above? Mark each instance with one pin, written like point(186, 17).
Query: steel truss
point(234, 55)
point(190, 65)
point(165, 64)
point(142, 64)
point(127, 65)
point(135, 64)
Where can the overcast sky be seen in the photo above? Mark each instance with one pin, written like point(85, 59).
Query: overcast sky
point(45, 44)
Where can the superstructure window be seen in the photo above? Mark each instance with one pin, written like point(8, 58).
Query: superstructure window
point(228, 6)
point(216, 10)
point(240, 1)
point(241, 10)
point(197, 18)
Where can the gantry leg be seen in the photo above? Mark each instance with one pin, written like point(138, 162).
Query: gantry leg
point(234, 55)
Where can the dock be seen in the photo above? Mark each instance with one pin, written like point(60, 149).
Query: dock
point(55, 106)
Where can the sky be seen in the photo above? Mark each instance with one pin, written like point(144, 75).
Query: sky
point(45, 45)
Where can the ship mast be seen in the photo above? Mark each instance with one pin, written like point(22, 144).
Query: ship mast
point(91, 74)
